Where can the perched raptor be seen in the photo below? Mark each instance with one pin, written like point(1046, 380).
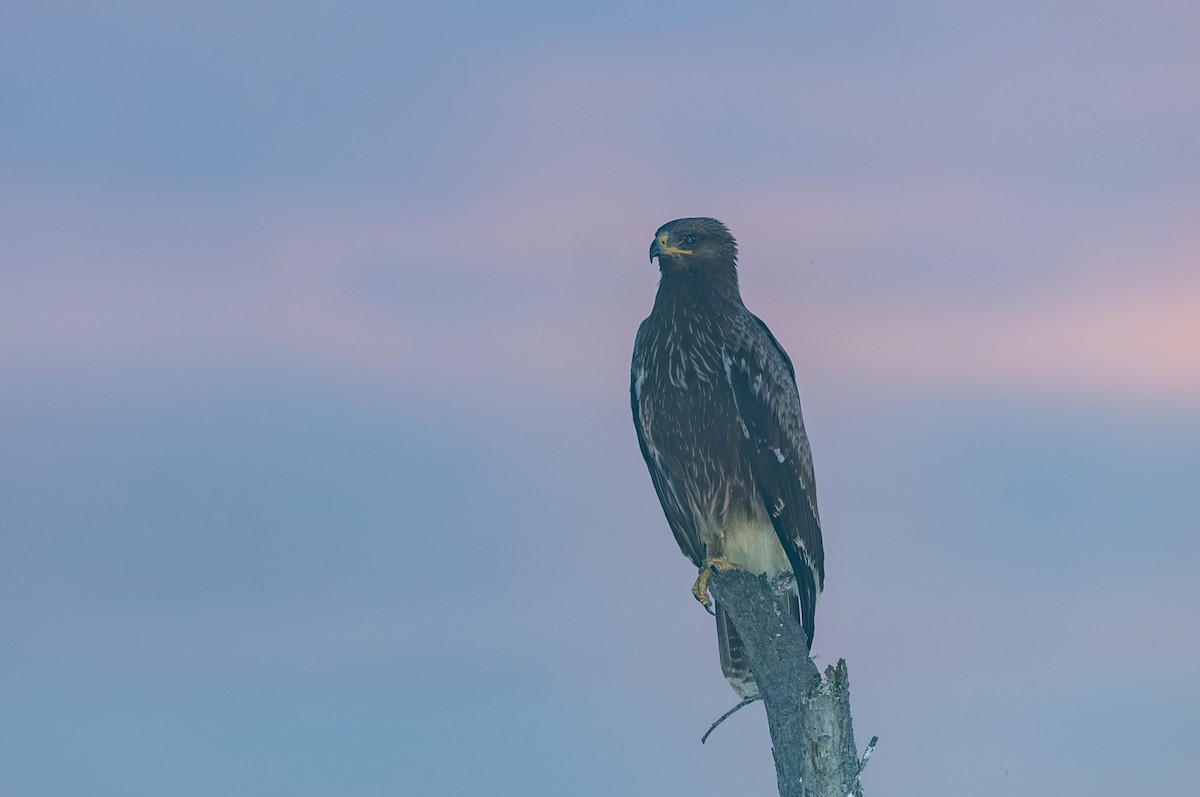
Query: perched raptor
point(718, 418)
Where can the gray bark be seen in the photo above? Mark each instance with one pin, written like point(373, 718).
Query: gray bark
point(812, 734)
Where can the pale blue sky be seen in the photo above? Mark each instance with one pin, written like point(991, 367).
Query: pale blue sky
point(317, 475)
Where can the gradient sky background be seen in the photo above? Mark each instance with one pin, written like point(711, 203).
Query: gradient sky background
point(317, 475)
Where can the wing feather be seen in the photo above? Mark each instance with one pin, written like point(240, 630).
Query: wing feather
point(764, 387)
point(679, 517)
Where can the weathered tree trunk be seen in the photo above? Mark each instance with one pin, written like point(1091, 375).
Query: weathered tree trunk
point(812, 734)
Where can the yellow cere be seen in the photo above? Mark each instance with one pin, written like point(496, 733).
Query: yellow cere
point(671, 250)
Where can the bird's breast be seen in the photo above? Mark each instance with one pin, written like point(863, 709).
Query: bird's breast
point(750, 542)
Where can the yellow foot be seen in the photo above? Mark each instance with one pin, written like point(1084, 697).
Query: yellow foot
point(721, 563)
point(700, 588)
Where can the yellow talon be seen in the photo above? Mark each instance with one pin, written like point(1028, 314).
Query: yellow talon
point(721, 563)
point(700, 588)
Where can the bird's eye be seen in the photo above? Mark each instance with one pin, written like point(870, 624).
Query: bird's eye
point(689, 239)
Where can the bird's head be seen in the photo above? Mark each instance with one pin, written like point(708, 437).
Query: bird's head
point(696, 245)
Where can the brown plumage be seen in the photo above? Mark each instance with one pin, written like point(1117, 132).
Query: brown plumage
point(718, 418)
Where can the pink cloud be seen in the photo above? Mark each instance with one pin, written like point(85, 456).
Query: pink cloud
point(1137, 341)
point(278, 289)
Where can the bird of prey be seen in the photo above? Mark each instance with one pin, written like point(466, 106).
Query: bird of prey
point(718, 418)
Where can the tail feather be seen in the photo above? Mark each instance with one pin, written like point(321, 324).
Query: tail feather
point(734, 663)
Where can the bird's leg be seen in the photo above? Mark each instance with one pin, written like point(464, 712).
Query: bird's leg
point(700, 588)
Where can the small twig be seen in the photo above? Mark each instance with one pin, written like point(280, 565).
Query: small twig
point(866, 757)
point(745, 702)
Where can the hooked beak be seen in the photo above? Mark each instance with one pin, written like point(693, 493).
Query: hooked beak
point(656, 249)
point(662, 246)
